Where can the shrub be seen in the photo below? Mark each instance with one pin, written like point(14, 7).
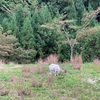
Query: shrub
point(40, 70)
point(4, 92)
point(50, 80)
point(91, 45)
point(13, 78)
point(76, 62)
point(26, 72)
point(36, 84)
point(27, 91)
point(96, 62)
point(50, 59)
point(55, 94)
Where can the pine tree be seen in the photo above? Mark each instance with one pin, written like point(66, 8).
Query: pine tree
point(45, 14)
point(1, 29)
point(80, 9)
point(9, 51)
point(50, 37)
point(14, 27)
point(5, 24)
point(19, 17)
point(35, 21)
point(26, 36)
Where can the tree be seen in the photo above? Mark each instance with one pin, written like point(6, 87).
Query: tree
point(5, 24)
point(19, 19)
point(45, 14)
point(26, 35)
point(9, 51)
point(78, 21)
point(80, 9)
point(14, 27)
point(45, 40)
point(49, 38)
point(91, 47)
point(82, 32)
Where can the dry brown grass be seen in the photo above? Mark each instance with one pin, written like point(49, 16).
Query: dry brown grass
point(16, 80)
point(42, 61)
point(36, 84)
point(4, 92)
point(25, 69)
point(27, 75)
point(76, 62)
point(50, 81)
point(96, 62)
point(50, 59)
point(65, 70)
point(5, 70)
point(26, 72)
point(1, 62)
point(20, 92)
point(55, 94)
point(27, 91)
point(13, 78)
point(41, 70)
point(33, 69)
point(11, 63)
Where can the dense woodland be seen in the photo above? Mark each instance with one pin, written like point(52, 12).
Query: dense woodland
point(33, 29)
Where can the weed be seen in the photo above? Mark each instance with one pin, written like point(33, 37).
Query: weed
point(50, 59)
point(96, 62)
point(4, 92)
point(27, 91)
point(66, 86)
point(41, 70)
point(76, 62)
point(50, 80)
point(36, 84)
point(55, 94)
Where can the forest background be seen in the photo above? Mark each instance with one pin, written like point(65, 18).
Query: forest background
point(34, 29)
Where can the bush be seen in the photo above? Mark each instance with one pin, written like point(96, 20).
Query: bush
point(91, 46)
point(76, 62)
point(64, 53)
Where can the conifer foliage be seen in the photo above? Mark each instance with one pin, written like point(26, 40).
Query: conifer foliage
point(10, 52)
point(26, 32)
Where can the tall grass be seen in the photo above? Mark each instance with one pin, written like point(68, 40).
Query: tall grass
point(50, 59)
point(76, 62)
point(96, 62)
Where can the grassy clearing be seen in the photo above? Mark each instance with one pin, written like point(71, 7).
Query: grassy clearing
point(70, 85)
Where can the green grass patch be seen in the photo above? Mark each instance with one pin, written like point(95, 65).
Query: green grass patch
point(68, 86)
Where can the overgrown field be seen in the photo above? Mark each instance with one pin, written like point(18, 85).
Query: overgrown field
point(33, 82)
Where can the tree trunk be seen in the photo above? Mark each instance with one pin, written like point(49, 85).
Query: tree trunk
point(72, 49)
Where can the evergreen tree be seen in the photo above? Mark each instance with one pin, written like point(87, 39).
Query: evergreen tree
point(80, 9)
point(91, 47)
point(36, 29)
point(94, 4)
point(9, 52)
point(19, 19)
point(26, 36)
point(51, 38)
point(14, 27)
point(45, 14)
point(35, 21)
point(1, 29)
point(5, 24)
